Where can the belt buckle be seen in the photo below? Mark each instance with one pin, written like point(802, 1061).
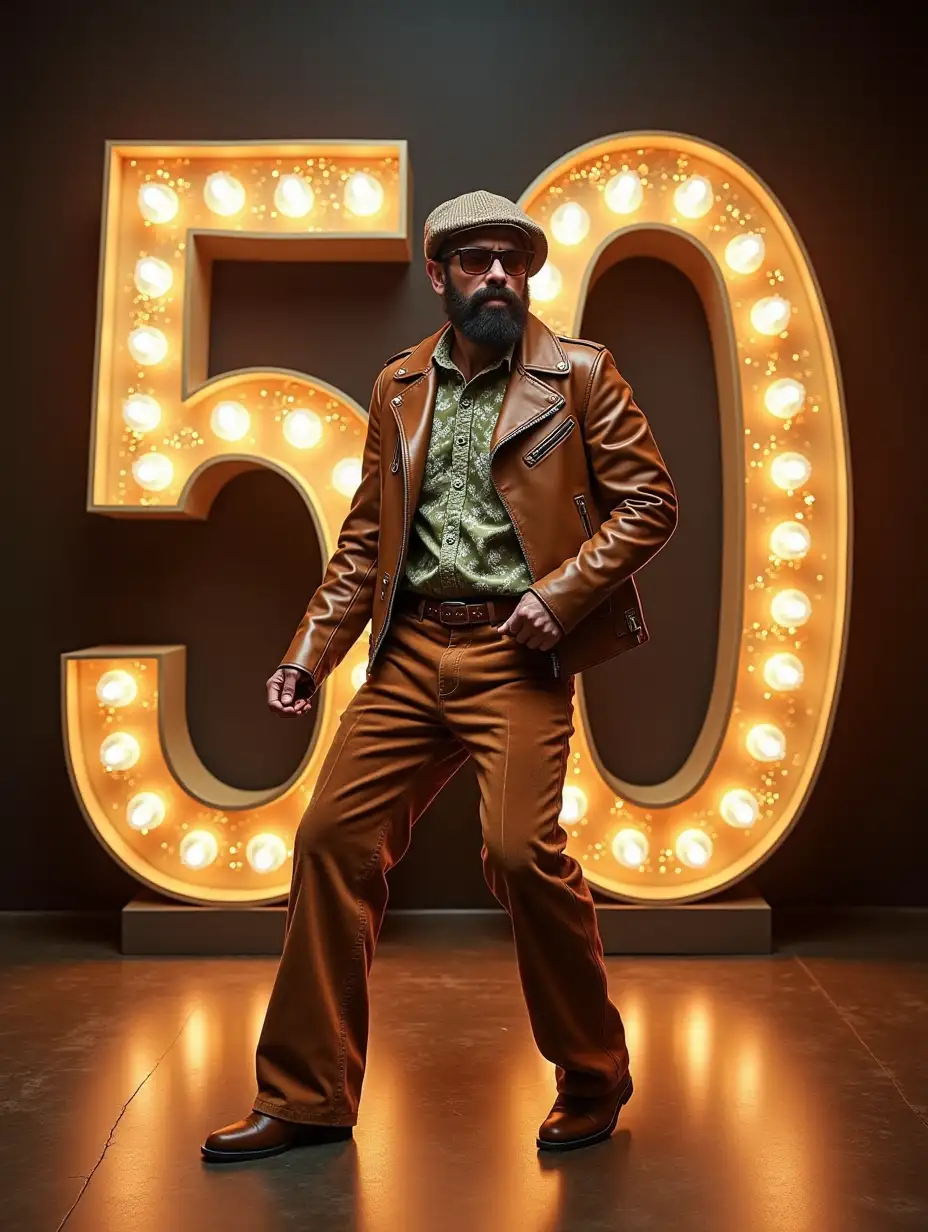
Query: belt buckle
point(448, 618)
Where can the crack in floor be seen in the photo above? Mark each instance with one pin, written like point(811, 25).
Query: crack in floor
point(111, 1134)
point(860, 1039)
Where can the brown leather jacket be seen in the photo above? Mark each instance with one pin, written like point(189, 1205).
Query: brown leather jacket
point(576, 466)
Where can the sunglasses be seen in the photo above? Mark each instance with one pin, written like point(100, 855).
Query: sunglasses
point(479, 260)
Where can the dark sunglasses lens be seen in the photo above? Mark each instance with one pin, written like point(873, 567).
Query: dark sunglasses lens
point(475, 260)
point(515, 262)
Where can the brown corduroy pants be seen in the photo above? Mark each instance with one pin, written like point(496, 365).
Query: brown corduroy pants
point(437, 695)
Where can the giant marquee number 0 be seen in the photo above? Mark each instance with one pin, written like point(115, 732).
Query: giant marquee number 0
point(166, 438)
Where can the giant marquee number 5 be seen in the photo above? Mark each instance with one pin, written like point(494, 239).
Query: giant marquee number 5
point(166, 439)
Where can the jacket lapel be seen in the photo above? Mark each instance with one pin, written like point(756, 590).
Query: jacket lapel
point(526, 397)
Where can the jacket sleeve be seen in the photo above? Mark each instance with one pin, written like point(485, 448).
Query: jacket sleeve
point(632, 481)
point(343, 602)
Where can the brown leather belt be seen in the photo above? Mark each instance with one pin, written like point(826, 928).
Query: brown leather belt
point(474, 611)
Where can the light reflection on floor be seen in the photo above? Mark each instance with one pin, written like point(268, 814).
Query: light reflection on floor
point(754, 1108)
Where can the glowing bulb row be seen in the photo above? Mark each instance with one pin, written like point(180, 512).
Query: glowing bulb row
point(624, 193)
point(631, 848)
point(155, 472)
point(225, 195)
point(199, 848)
point(693, 198)
point(229, 420)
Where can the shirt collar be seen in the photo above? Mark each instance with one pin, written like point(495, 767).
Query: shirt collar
point(442, 354)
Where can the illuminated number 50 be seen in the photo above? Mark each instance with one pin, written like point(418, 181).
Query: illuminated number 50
point(166, 439)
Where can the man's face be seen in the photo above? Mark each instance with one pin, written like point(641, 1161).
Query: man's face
point(489, 309)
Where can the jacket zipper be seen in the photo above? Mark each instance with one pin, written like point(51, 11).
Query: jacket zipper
point(386, 623)
point(580, 502)
point(545, 446)
point(631, 616)
point(395, 465)
point(555, 658)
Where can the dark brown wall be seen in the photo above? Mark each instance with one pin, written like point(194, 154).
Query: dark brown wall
point(487, 96)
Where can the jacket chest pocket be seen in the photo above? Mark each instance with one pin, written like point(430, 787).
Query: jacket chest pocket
point(549, 442)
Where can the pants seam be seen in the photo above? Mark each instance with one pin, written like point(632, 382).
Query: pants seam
point(357, 950)
point(597, 962)
point(356, 953)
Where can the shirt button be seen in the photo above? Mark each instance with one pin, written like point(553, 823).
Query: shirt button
point(459, 483)
point(465, 402)
point(450, 539)
point(462, 440)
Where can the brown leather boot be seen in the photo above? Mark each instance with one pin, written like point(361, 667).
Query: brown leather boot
point(259, 1136)
point(576, 1120)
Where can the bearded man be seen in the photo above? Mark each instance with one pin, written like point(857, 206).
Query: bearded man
point(510, 489)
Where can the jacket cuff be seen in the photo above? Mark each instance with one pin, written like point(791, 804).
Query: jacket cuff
point(304, 670)
point(539, 595)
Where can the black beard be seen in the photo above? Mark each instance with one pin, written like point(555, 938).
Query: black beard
point(489, 327)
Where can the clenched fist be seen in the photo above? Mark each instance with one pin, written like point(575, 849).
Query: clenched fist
point(532, 623)
point(290, 690)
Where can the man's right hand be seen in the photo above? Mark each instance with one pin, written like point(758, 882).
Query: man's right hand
point(289, 691)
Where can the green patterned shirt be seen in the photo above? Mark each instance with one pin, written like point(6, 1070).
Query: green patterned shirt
point(462, 541)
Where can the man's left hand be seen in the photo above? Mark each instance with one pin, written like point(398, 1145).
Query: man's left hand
point(532, 624)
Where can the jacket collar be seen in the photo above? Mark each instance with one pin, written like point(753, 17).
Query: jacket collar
point(538, 350)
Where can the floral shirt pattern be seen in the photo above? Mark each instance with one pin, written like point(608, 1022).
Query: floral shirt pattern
point(462, 540)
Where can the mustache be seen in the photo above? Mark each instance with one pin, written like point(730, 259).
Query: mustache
point(479, 298)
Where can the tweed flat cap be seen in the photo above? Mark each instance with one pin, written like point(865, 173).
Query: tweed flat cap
point(483, 209)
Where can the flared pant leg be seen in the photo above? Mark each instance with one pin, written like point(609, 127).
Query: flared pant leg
point(388, 759)
point(516, 721)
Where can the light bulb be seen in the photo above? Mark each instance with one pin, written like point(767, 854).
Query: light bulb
point(157, 202)
point(694, 848)
point(739, 808)
point(119, 751)
point(153, 276)
point(630, 847)
point(145, 811)
point(546, 284)
point(694, 197)
point(117, 688)
point(623, 194)
point(766, 742)
point(745, 253)
point(358, 675)
point(363, 194)
point(790, 608)
point(574, 804)
point(153, 471)
point(230, 421)
point(784, 398)
point(266, 852)
point(293, 196)
point(147, 345)
point(223, 193)
point(141, 413)
point(570, 223)
point(198, 849)
point(302, 429)
point(790, 541)
point(790, 470)
point(771, 314)
point(346, 476)
point(783, 672)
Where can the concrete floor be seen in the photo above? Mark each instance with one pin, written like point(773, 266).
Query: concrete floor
point(780, 1094)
